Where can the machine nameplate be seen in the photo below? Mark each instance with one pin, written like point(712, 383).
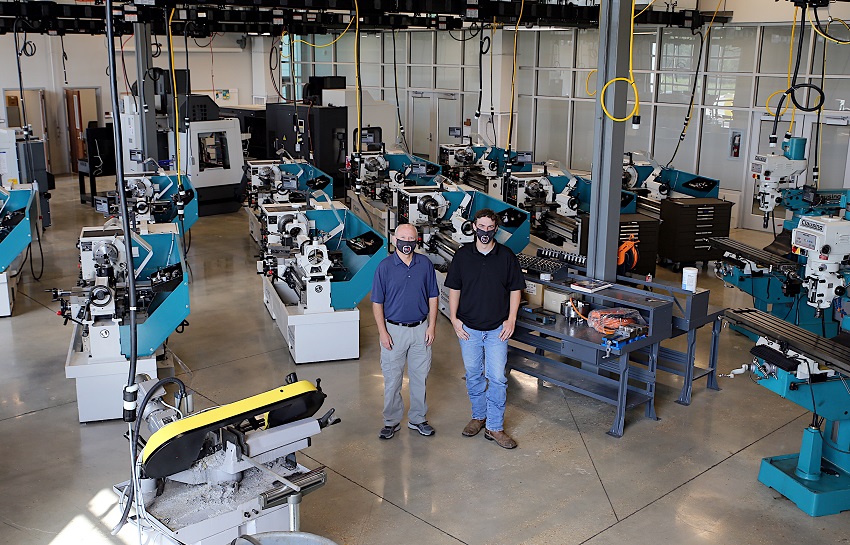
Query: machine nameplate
point(756, 168)
point(811, 225)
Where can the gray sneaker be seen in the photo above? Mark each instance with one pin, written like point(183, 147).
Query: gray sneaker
point(387, 432)
point(424, 428)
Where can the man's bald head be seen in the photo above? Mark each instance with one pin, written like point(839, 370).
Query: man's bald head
point(406, 231)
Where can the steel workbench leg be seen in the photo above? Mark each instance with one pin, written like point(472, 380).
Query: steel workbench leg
point(650, 388)
point(619, 420)
point(688, 386)
point(711, 381)
point(93, 187)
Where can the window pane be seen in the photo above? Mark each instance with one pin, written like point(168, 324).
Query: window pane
point(724, 138)
point(470, 50)
point(525, 46)
point(370, 75)
point(470, 79)
point(775, 49)
point(448, 49)
point(581, 149)
point(370, 47)
point(345, 48)
point(323, 69)
point(553, 83)
point(768, 86)
point(346, 70)
point(837, 60)
point(729, 91)
point(400, 47)
point(679, 49)
point(732, 49)
point(448, 78)
point(837, 93)
point(524, 81)
point(323, 54)
point(525, 113)
point(585, 80)
point(421, 47)
point(676, 87)
point(668, 125)
point(552, 117)
point(646, 49)
point(588, 48)
point(421, 76)
point(638, 139)
point(556, 49)
point(389, 82)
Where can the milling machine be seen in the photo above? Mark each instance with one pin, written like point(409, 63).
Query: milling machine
point(779, 277)
point(812, 372)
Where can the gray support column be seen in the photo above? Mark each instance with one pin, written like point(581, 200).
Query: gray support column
point(609, 140)
point(144, 61)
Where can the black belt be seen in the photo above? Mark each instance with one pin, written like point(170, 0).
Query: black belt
point(408, 324)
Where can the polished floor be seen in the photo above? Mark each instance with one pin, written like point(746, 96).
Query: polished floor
point(689, 478)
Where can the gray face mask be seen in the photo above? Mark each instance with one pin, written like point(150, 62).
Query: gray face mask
point(484, 236)
point(405, 246)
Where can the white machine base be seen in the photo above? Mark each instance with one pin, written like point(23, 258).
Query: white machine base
point(324, 336)
point(100, 384)
point(254, 226)
point(8, 293)
point(222, 520)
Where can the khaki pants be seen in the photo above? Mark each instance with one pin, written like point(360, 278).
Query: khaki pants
point(408, 345)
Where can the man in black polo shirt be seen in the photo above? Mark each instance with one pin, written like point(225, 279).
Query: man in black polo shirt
point(485, 282)
point(404, 302)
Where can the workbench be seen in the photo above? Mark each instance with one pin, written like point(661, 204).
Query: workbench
point(691, 311)
point(577, 357)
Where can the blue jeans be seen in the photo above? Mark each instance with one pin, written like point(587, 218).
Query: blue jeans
point(485, 357)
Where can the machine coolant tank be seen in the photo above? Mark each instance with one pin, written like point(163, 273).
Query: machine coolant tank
point(795, 148)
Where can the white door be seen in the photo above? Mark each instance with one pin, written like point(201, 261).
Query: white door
point(421, 124)
point(833, 148)
point(433, 114)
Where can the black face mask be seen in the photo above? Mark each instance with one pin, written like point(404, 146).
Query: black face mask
point(405, 246)
point(484, 236)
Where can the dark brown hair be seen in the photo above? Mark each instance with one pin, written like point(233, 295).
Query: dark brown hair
point(486, 213)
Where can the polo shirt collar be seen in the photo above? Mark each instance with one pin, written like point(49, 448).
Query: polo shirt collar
point(494, 251)
point(397, 260)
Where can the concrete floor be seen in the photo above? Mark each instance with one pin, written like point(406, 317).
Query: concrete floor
point(689, 478)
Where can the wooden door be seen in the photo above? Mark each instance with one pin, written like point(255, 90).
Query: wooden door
point(75, 127)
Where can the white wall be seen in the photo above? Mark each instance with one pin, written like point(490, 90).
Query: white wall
point(86, 67)
point(770, 11)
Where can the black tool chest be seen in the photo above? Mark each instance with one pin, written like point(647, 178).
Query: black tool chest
point(688, 223)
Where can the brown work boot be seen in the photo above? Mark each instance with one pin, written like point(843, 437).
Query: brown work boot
point(473, 427)
point(501, 438)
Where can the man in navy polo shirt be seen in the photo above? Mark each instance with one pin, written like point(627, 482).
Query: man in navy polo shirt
point(485, 285)
point(404, 301)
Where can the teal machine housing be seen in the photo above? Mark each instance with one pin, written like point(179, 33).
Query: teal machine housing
point(17, 211)
point(167, 309)
point(768, 290)
point(817, 478)
point(679, 181)
point(350, 286)
point(169, 184)
point(307, 176)
point(514, 236)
